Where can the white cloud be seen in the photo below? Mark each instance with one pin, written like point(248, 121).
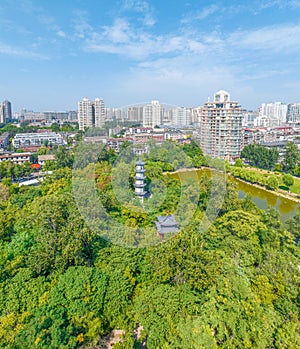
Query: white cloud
point(208, 11)
point(280, 4)
point(276, 38)
point(61, 34)
point(119, 32)
point(143, 7)
point(81, 26)
point(13, 51)
point(122, 39)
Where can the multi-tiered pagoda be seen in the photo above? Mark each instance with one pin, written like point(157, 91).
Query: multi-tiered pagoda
point(139, 184)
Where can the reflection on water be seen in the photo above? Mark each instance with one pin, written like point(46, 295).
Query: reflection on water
point(262, 198)
point(287, 208)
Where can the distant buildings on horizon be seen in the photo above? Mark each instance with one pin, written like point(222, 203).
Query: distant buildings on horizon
point(221, 126)
point(94, 114)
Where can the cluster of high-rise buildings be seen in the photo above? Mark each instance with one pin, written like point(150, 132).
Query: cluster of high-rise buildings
point(220, 121)
point(94, 114)
point(273, 115)
point(222, 126)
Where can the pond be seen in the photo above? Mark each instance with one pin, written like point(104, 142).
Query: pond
point(262, 198)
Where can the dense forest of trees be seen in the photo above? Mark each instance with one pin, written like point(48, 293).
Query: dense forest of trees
point(62, 285)
point(260, 156)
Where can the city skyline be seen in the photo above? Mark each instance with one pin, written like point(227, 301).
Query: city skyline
point(134, 51)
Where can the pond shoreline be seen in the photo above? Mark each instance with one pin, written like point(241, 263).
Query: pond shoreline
point(277, 193)
point(274, 192)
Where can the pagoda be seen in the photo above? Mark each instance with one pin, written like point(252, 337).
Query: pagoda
point(139, 177)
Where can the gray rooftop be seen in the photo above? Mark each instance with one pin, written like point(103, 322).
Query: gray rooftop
point(167, 224)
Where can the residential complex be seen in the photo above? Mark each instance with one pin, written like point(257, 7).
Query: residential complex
point(221, 127)
point(91, 113)
point(25, 140)
point(135, 113)
point(152, 114)
point(274, 113)
point(181, 116)
point(16, 158)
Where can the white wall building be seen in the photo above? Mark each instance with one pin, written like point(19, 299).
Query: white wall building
point(221, 127)
point(135, 113)
point(86, 117)
point(181, 116)
point(293, 113)
point(99, 112)
point(91, 113)
point(152, 114)
point(23, 140)
point(2, 118)
point(276, 113)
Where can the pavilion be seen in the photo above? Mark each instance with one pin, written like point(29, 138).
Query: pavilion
point(166, 225)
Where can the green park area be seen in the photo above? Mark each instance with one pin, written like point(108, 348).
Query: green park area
point(232, 283)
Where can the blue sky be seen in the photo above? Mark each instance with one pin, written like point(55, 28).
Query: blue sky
point(53, 53)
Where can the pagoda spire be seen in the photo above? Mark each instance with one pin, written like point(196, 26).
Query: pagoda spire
point(139, 177)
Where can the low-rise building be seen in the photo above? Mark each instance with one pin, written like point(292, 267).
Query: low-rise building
point(260, 135)
point(24, 140)
point(4, 140)
point(43, 158)
point(16, 158)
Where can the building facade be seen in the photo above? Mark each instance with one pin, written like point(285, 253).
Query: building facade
point(2, 119)
point(4, 140)
point(7, 113)
point(152, 114)
point(276, 113)
point(16, 158)
point(99, 111)
point(25, 140)
point(91, 113)
point(293, 113)
point(221, 127)
point(181, 116)
point(135, 113)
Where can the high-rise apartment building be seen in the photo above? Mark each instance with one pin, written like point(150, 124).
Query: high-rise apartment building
point(5, 112)
point(99, 112)
point(276, 113)
point(135, 113)
point(2, 118)
point(152, 114)
point(91, 113)
point(293, 113)
point(221, 127)
point(181, 116)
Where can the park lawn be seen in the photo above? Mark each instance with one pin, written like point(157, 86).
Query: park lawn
point(296, 187)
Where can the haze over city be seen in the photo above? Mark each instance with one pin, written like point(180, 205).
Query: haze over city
point(131, 51)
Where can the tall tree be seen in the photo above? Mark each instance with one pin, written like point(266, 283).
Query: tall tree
point(291, 157)
point(260, 156)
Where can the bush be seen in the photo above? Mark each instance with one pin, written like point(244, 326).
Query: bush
point(272, 183)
